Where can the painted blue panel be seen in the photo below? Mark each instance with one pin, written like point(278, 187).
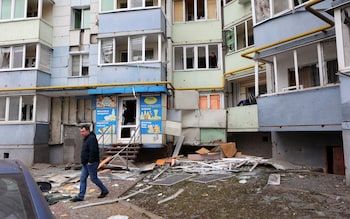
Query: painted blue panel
point(44, 79)
point(133, 20)
point(128, 89)
point(21, 134)
point(289, 25)
point(316, 109)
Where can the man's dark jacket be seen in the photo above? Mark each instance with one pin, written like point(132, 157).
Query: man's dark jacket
point(89, 151)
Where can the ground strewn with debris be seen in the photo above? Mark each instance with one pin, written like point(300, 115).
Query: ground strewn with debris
point(198, 189)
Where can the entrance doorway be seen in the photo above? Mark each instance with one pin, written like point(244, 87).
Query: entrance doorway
point(335, 160)
point(128, 118)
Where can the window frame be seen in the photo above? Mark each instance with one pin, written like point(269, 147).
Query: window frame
point(268, 12)
point(185, 50)
point(84, 14)
point(81, 56)
point(208, 99)
point(112, 5)
point(25, 59)
point(22, 112)
point(233, 31)
point(115, 51)
point(13, 12)
point(181, 14)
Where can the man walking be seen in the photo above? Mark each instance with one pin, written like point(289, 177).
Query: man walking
point(90, 159)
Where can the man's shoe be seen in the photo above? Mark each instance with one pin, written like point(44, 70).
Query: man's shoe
point(103, 194)
point(76, 199)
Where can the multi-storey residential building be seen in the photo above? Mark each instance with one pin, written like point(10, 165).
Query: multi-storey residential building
point(302, 109)
point(242, 110)
point(341, 11)
point(197, 71)
point(142, 70)
point(116, 52)
point(25, 64)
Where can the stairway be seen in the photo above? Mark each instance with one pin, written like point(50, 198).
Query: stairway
point(129, 153)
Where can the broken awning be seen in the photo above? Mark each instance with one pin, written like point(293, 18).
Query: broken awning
point(129, 89)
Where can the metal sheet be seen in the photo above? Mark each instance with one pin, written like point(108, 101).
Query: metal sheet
point(211, 178)
point(171, 180)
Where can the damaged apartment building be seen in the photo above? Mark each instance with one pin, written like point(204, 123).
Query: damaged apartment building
point(158, 72)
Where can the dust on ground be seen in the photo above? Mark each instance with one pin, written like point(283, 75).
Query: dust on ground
point(299, 194)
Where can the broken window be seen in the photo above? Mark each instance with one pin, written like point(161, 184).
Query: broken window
point(194, 10)
point(80, 65)
point(264, 9)
point(23, 56)
point(240, 36)
point(345, 18)
point(14, 9)
point(27, 108)
point(138, 48)
point(196, 57)
point(2, 108)
point(4, 57)
point(309, 66)
point(81, 18)
point(14, 108)
point(110, 5)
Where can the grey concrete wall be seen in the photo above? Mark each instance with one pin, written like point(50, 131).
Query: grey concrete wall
point(252, 143)
point(304, 148)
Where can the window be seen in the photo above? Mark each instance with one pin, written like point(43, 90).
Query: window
point(16, 108)
point(345, 18)
point(80, 65)
point(81, 18)
point(210, 101)
point(193, 10)
point(111, 5)
point(14, 57)
point(196, 57)
point(240, 36)
point(139, 48)
point(265, 9)
point(16, 9)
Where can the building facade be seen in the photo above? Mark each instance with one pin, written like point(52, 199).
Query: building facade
point(157, 71)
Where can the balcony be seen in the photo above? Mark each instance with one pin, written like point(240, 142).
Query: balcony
point(26, 31)
point(242, 119)
point(314, 109)
point(132, 21)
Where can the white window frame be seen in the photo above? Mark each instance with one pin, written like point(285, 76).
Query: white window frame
point(129, 52)
point(233, 29)
point(81, 64)
point(271, 7)
point(34, 59)
point(195, 56)
point(82, 18)
point(12, 16)
point(115, 5)
point(19, 110)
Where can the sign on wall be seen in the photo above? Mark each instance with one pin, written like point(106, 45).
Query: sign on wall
point(106, 114)
point(151, 114)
